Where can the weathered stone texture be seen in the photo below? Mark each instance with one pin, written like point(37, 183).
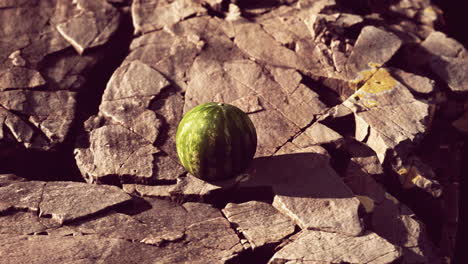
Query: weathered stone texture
point(39, 77)
point(259, 222)
point(322, 247)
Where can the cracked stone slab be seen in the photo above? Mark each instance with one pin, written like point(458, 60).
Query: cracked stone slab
point(124, 146)
point(21, 195)
point(39, 77)
point(317, 134)
point(21, 223)
point(308, 190)
point(187, 187)
point(78, 249)
point(151, 15)
point(92, 26)
point(323, 247)
point(390, 219)
point(374, 46)
point(68, 201)
point(63, 201)
point(416, 83)
point(448, 61)
point(191, 232)
point(259, 222)
point(388, 117)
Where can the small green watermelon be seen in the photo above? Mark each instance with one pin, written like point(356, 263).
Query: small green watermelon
point(216, 141)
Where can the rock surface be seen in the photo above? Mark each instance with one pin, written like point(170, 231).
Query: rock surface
point(359, 106)
point(322, 247)
point(259, 222)
point(39, 76)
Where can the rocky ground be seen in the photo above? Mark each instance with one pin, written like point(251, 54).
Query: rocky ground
point(361, 111)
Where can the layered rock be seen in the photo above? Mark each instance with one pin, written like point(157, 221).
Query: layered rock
point(39, 75)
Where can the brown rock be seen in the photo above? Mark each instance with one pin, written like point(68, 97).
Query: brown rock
point(309, 191)
point(390, 219)
point(64, 201)
point(373, 47)
point(317, 134)
point(20, 223)
point(387, 115)
point(414, 82)
point(33, 56)
point(154, 15)
point(92, 26)
point(449, 60)
point(259, 222)
point(125, 147)
point(323, 247)
point(186, 187)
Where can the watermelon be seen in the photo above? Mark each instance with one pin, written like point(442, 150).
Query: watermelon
point(216, 141)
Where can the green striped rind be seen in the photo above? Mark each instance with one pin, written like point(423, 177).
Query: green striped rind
point(216, 141)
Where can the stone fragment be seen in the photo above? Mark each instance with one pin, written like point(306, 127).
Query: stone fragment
point(64, 201)
point(154, 15)
point(77, 249)
point(308, 191)
point(125, 147)
point(415, 173)
point(259, 222)
point(449, 60)
point(387, 115)
point(68, 201)
point(20, 77)
point(317, 134)
point(20, 223)
point(373, 47)
point(439, 44)
point(323, 247)
point(21, 195)
point(390, 219)
point(92, 26)
point(39, 77)
point(452, 71)
point(188, 187)
point(416, 83)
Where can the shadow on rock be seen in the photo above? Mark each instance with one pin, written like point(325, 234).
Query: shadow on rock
point(298, 175)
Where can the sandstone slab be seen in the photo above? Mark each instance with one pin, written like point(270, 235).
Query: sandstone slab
point(63, 201)
point(39, 77)
point(259, 222)
point(308, 190)
point(322, 247)
point(388, 117)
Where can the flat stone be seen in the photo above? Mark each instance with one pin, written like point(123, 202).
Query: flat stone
point(373, 47)
point(68, 201)
point(126, 107)
point(416, 83)
point(39, 77)
point(323, 247)
point(83, 249)
point(187, 187)
point(439, 44)
point(317, 134)
point(259, 222)
point(20, 222)
point(154, 15)
point(21, 195)
point(309, 191)
point(92, 26)
point(452, 71)
point(448, 61)
point(387, 115)
point(390, 219)
point(19, 77)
